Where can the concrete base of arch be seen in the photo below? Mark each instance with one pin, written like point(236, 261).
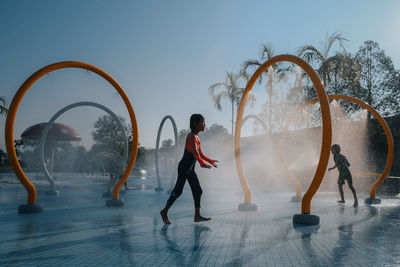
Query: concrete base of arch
point(114, 203)
point(247, 207)
point(296, 199)
point(305, 219)
point(52, 193)
point(30, 208)
point(158, 189)
point(372, 200)
point(107, 194)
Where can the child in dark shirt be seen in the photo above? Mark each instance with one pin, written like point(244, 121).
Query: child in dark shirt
point(344, 173)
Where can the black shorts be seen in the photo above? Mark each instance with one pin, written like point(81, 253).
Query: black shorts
point(346, 177)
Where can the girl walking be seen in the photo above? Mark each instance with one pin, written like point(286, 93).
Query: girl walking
point(186, 169)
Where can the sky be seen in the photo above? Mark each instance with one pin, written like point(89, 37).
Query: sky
point(165, 54)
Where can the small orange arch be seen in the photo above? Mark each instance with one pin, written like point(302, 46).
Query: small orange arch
point(381, 120)
point(9, 129)
point(326, 128)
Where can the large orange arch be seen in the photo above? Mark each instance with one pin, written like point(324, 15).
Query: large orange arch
point(9, 129)
point(326, 128)
point(389, 138)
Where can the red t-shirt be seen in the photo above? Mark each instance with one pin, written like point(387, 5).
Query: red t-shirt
point(193, 146)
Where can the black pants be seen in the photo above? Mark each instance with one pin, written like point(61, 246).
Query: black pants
point(194, 183)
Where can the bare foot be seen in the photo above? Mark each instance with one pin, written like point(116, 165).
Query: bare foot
point(164, 217)
point(341, 201)
point(355, 203)
point(201, 219)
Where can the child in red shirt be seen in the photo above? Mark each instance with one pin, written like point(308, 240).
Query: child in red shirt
point(186, 169)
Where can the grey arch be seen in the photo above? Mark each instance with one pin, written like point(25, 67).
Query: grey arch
point(58, 114)
point(159, 187)
point(256, 118)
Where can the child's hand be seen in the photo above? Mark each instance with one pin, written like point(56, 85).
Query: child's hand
point(213, 163)
point(205, 166)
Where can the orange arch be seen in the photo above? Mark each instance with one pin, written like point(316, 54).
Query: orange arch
point(9, 130)
point(381, 120)
point(326, 128)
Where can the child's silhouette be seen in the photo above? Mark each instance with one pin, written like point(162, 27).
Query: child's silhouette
point(186, 169)
point(344, 173)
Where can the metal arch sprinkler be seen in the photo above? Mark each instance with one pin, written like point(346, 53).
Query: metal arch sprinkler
point(389, 138)
point(159, 186)
point(305, 217)
point(257, 118)
point(49, 124)
point(31, 205)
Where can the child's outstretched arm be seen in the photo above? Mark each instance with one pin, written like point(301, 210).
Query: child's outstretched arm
point(211, 161)
point(329, 169)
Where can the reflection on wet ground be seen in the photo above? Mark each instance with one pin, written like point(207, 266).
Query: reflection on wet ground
point(77, 229)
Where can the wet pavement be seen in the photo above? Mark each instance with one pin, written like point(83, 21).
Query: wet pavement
point(77, 229)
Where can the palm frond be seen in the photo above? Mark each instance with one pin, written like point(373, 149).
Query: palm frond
point(267, 51)
point(251, 63)
point(311, 54)
point(243, 74)
point(218, 98)
point(254, 64)
point(211, 89)
point(231, 79)
point(331, 40)
point(251, 99)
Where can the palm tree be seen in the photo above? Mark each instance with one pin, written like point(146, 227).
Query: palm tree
point(231, 91)
point(267, 52)
point(3, 109)
point(322, 59)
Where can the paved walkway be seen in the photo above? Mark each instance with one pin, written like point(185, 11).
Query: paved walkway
point(76, 229)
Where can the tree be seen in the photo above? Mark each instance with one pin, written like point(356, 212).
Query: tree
point(109, 140)
point(322, 59)
point(3, 109)
point(167, 144)
point(344, 73)
point(267, 52)
point(379, 81)
point(167, 147)
point(231, 91)
point(107, 133)
point(214, 132)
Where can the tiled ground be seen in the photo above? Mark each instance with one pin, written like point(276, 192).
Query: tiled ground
point(76, 229)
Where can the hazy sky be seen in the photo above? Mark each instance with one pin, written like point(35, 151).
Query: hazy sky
point(164, 53)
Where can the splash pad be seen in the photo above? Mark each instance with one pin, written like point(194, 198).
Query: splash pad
point(32, 206)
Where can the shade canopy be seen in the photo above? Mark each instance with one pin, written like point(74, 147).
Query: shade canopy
point(57, 132)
